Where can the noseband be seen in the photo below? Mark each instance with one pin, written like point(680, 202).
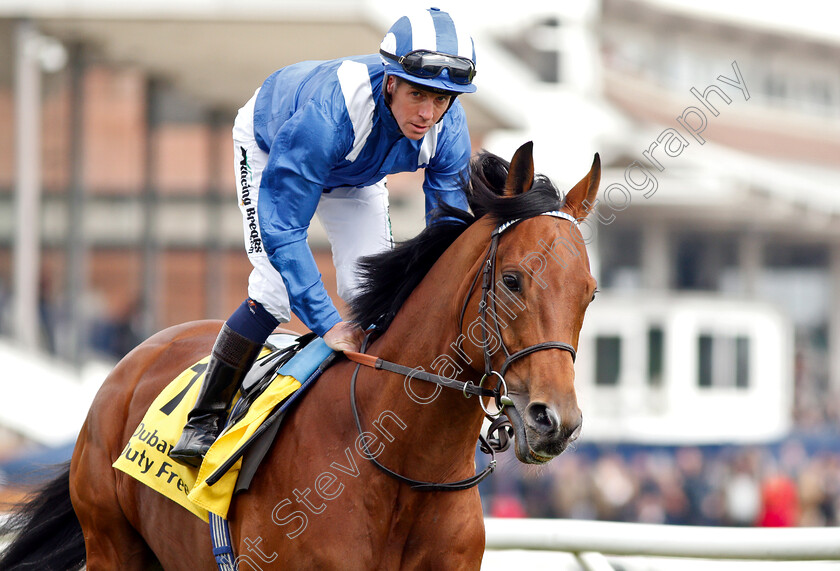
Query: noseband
point(468, 388)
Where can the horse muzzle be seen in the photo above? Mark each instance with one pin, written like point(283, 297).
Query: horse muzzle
point(541, 432)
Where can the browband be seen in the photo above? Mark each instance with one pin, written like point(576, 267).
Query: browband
point(556, 213)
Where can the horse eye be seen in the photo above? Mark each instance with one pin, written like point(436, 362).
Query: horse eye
point(594, 293)
point(511, 282)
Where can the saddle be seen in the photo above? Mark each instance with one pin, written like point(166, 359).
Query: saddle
point(311, 358)
point(277, 351)
point(269, 390)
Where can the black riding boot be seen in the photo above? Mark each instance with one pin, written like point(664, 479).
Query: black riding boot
point(232, 356)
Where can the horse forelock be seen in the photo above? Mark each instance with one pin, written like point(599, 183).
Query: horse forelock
point(484, 191)
point(388, 278)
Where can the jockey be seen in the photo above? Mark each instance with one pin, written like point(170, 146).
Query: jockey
point(319, 137)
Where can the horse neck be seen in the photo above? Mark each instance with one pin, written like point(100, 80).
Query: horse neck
point(424, 330)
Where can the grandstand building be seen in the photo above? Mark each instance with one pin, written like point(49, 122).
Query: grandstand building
point(716, 240)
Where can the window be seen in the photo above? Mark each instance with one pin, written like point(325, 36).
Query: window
point(607, 360)
point(742, 362)
point(775, 86)
point(537, 48)
point(704, 373)
point(723, 361)
point(656, 345)
point(701, 260)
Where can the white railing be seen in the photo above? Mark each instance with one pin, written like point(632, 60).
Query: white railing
point(590, 541)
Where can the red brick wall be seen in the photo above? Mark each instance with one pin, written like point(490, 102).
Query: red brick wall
point(56, 123)
point(7, 137)
point(116, 277)
point(114, 130)
point(186, 159)
point(182, 159)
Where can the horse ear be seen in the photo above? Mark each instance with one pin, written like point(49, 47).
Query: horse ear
point(581, 198)
point(521, 173)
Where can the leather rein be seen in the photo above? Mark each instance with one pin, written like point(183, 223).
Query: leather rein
point(499, 393)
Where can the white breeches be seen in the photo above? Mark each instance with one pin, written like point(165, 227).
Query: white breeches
point(356, 221)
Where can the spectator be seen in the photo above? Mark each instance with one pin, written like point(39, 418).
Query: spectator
point(779, 502)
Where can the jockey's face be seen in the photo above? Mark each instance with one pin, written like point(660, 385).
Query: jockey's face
point(416, 110)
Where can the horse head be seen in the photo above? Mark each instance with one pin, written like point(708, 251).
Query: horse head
point(533, 301)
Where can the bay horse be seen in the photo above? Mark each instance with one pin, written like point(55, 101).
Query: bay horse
point(317, 502)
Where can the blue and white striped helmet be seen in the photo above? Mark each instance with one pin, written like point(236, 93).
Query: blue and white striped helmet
point(430, 49)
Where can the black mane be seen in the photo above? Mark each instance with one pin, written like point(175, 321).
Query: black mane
point(388, 278)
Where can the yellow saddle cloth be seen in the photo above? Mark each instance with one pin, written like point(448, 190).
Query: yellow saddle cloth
point(146, 458)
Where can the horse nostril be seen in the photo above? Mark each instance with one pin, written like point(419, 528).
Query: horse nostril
point(542, 418)
point(574, 429)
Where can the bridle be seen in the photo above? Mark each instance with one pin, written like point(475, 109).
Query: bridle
point(499, 393)
point(488, 293)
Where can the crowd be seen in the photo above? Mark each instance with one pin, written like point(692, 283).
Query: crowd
point(793, 483)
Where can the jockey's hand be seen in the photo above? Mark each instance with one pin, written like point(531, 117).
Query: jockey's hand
point(344, 336)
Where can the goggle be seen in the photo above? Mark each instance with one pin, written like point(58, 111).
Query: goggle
point(427, 64)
